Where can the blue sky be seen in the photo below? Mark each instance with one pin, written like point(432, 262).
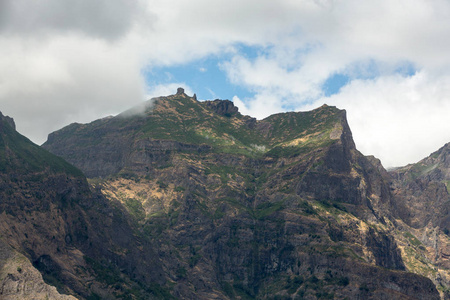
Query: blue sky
point(204, 76)
point(209, 81)
point(208, 78)
point(387, 63)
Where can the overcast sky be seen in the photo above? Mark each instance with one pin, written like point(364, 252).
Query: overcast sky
point(386, 62)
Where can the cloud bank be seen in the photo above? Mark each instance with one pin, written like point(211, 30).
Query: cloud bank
point(62, 62)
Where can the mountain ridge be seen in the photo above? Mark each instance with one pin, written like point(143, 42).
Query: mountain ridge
point(190, 199)
point(254, 204)
point(236, 133)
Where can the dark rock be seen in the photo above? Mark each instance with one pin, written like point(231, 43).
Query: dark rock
point(8, 120)
point(385, 250)
point(222, 107)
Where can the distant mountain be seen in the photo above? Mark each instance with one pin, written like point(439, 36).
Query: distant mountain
point(240, 208)
point(423, 189)
point(421, 193)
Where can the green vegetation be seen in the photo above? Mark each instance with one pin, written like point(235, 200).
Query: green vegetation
point(298, 286)
point(219, 213)
point(162, 185)
point(188, 121)
point(124, 287)
point(416, 261)
point(181, 272)
point(292, 151)
point(307, 208)
point(179, 189)
point(155, 225)
point(19, 154)
point(315, 121)
point(135, 208)
point(293, 284)
point(420, 169)
point(412, 239)
point(266, 209)
point(223, 171)
point(105, 272)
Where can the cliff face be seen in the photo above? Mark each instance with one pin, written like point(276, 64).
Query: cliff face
point(421, 193)
point(422, 189)
point(50, 220)
point(240, 208)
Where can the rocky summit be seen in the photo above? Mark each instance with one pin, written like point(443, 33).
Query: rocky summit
point(188, 199)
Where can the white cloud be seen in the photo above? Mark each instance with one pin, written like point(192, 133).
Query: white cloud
point(168, 89)
point(261, 106)
point(46, 86)
point(102, 19)
point(400, 119)
point(62, 62)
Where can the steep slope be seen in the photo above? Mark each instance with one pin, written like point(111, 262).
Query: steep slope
point(283, 207)
point(421, 193)
point(182, 124)
point(428, 179)
point(79, 241)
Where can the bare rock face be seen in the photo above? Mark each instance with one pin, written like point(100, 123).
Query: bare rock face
point(20, 280)
point(422, 190)
point(180, 91)
point(222, 107)
point(422, 203)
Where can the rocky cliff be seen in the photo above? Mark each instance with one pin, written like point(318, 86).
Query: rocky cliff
point(51, 221)
point(421, 193)
point(284, 207)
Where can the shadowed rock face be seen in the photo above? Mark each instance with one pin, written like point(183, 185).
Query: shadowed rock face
point(281, 207)
point(76, 238)
point(421, 190)
point(421, 195)
point(8, 120)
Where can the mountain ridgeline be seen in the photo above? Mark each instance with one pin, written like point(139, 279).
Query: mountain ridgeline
point(189, 199)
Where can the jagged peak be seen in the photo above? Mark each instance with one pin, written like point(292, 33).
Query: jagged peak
point(222, 107)
point(180, 91)
point(8, 120)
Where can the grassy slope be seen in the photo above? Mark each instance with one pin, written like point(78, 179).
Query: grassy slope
point(19, 154)
point(186, 120)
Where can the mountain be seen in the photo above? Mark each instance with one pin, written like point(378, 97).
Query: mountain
point(424, 188)
point(54, 228)
point(239, 208)
point(421, 193)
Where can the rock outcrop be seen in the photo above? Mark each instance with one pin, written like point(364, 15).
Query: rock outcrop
point(222, 107)
point(8, 120)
